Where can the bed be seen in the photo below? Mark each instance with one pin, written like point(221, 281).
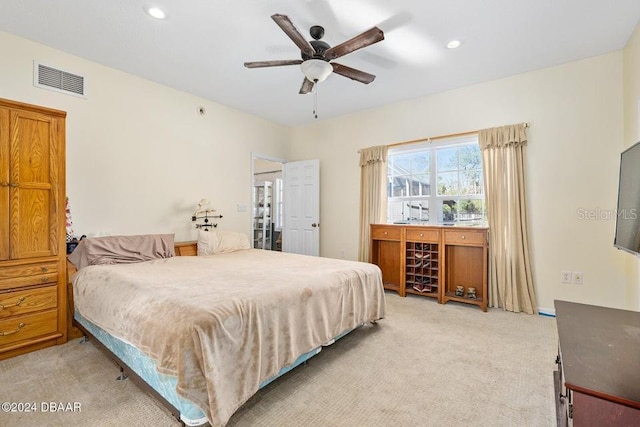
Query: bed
point(204, 333)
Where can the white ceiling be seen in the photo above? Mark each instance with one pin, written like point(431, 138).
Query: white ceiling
point(201, 47)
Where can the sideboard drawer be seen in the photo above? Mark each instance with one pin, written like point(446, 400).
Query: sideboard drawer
point(463, 237)
point(423, 235)
point(385, 233)
point(20, 328)
point(28, 301)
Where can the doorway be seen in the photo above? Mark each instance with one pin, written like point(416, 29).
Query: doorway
point(266, 202)
point(285, 205)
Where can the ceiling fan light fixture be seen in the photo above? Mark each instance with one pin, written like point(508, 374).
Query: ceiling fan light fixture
point(316, 70)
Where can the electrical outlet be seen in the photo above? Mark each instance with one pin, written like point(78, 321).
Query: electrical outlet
point(577, 277)
point(565, 276)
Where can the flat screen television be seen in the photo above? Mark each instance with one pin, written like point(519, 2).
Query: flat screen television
point(628, 209)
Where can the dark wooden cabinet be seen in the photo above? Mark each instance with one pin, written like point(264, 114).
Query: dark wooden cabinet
point(598, 378)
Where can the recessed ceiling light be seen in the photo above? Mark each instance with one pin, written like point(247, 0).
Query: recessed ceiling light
point(156, 13)
point(454, 44)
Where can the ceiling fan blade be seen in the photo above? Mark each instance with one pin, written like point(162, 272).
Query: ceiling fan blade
point(365, 39)
point(287, 26)
point(353, 74)
point(307, 86)
point(277, 63)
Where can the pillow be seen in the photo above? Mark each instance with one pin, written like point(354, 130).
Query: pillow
point(79, 255)
point(122, 249)
point(220, 242)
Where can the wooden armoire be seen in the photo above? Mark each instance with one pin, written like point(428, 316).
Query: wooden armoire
point(32, 228)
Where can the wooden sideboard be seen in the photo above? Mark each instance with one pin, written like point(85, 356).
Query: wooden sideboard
point(432, 260)
point(598, 378)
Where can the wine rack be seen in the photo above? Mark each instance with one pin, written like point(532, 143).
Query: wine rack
point(422, 264)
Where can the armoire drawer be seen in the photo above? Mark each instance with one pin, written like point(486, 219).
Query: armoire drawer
point(32, 274)
point(27, 270)
point(28, 301)
point(20, 328)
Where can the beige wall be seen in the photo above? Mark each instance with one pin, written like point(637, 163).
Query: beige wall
point(632, 134)
point(139, 155)
point(575, 138)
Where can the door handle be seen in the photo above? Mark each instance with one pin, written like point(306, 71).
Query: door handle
point(314, 225)
point(13, 184)
point(17, 304)
point(20, 326)
point(4, 184)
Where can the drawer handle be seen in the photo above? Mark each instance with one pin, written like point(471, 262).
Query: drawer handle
point(20, 301)
point(20, 326)
point(421, 235)
point(463, 237)
point(4, 184)
point(45, 269)
point(385, 233)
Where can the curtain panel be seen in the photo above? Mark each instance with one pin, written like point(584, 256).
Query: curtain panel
point(373, 194)
point(510, 276)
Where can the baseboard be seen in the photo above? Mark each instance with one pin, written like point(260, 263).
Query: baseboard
point(549, 312)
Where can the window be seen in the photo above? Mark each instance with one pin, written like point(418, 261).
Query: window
point(436, 183)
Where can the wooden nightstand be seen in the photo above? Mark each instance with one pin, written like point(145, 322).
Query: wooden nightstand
point(72, 331)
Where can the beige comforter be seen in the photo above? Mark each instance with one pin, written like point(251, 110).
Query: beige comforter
point(225, 323)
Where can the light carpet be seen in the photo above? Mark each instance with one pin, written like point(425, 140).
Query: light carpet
point(426, 364)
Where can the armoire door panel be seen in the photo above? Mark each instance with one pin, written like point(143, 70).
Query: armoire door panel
point(31, 147)
point(33, 197)
point(4, 184)
point(31, 223)
point(4, 223)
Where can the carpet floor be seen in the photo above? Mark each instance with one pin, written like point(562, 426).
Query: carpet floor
point(424, 365)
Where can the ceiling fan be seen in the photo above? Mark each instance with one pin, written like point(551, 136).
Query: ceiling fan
point(316, 54)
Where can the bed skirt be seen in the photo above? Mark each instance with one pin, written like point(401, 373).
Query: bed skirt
point(165, 385)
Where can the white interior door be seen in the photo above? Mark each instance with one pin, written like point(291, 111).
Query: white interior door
point(301, 228)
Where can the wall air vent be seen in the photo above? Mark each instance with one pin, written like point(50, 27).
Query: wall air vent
point(48, 77)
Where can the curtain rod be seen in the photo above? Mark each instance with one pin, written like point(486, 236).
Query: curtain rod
point(434, 138)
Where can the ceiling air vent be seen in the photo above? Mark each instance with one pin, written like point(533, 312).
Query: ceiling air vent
point(52, 78)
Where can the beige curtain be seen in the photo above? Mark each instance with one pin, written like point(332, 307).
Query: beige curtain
point(373, 194)
point(510, 278)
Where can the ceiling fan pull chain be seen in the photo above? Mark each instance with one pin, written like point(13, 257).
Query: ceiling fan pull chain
point(315, 101)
